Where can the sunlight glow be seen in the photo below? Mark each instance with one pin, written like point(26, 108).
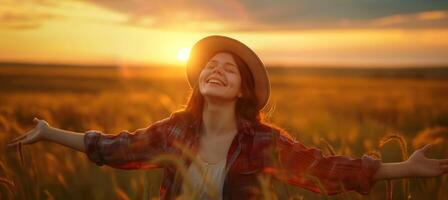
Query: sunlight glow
point(183, 54)
point(104, 34)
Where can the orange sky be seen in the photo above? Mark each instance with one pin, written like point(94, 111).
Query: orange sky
point(89, 32)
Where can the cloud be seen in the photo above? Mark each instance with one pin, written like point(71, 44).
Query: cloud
point(22, 20)
point(26, 15)
point(241, 15)
point(180, 14)
point(235, 15)
point(423, 18)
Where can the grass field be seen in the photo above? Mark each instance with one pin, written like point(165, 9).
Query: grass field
point(350, 109)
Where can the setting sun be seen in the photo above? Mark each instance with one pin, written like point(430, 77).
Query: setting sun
point(183, 54)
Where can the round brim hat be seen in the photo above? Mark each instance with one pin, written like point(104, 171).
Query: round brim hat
point(210, 45)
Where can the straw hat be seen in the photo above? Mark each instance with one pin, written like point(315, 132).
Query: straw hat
point(208, 46)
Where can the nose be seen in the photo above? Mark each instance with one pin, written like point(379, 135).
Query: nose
point(218, 69)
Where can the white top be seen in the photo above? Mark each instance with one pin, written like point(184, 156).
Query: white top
point(212, 179)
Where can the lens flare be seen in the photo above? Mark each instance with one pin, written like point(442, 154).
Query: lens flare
point(183, 54)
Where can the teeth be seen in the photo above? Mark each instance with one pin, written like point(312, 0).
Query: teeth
point(214, 81)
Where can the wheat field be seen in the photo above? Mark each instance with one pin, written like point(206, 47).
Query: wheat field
point(382, 113)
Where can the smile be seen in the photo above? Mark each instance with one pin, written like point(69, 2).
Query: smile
point(214, 81)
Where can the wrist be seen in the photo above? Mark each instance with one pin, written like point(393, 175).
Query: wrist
point(409, 168)
point(47, 132)
point(395, 170)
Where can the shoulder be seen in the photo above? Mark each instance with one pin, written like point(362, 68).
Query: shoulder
point(172, 126)
point(174, 118)
point(270, 129)
point(168, 122)
point(182, 115)
point(264, 130)
point(181, 118)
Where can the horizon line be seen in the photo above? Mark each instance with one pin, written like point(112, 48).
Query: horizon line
point(4, 63)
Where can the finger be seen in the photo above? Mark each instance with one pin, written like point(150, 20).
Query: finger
point(25, 140)
point(35, 119)
point(13, 144)
point(426, 148)
point(19, 138)
point(22, 136)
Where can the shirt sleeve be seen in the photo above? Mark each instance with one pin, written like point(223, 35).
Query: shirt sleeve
point(127, 150)
point(308, 168)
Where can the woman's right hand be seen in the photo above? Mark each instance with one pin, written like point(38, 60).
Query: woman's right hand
point(34, 135)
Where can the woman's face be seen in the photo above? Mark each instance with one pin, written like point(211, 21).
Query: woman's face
point(220, 78)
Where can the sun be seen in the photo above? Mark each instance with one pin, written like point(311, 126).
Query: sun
point(183, 54)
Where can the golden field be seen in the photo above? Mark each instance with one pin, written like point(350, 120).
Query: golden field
point(352, 110)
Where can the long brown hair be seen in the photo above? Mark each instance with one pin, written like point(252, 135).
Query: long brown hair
point(246, 106)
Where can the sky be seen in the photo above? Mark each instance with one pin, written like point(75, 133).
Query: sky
point(355, 33)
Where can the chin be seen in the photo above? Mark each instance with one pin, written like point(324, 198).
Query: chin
point(216, 92)
point(214, 95)
point(217, 95)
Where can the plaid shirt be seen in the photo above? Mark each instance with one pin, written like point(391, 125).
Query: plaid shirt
point(256, 149)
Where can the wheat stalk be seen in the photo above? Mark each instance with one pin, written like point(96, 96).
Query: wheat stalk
point(404, 154)
point(328, 146)
point(181, 169)
point(213, 192)
point(265, 183)
point(20, 153)
point(49, 195)
point(121, 194)
point(9, 185)
point(319, 184)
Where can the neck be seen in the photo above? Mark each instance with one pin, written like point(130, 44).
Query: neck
point(219, 119)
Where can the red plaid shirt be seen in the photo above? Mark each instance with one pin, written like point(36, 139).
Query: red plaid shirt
point(256, 149)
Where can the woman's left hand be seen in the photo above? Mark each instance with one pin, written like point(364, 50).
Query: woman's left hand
point(421, 166)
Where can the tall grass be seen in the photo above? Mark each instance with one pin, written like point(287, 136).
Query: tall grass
point(352, 114)
point(404, 154)
point(9, 185)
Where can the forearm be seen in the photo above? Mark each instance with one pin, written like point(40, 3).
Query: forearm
point(393, 171)
point(69, 139)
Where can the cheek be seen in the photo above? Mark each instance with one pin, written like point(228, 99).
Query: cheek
point(236, 82)
point(202, 75)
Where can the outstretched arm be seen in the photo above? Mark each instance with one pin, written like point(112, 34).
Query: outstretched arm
point(418, 165)
point(308, 168)
point(126, 150)
point(43, 131)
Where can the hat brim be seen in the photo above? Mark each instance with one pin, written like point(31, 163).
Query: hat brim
point(208, 46)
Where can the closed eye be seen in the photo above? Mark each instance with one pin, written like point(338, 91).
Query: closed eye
point(230, 69)
point(211, 64)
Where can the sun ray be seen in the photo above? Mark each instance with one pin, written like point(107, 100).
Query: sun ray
point(183, 54)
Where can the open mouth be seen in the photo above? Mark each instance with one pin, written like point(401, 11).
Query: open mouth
point(215, 82)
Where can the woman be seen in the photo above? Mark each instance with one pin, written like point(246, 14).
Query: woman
point(223, 128)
